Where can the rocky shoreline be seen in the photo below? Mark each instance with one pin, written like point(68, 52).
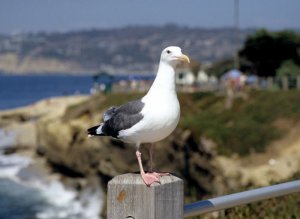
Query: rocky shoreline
point(21, 127)
point(52, 132)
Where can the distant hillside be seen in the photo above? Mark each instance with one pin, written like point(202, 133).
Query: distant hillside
point(123, 50)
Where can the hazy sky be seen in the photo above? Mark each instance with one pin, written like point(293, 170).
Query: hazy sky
point(64, 15)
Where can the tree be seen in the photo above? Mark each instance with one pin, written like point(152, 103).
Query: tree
point(195, 66)
point(288, 68)
point(266, 51)
point(219, 68)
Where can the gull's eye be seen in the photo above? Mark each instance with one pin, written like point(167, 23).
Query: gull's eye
point(168, 51)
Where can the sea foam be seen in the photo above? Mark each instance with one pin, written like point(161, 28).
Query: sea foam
point(62, 202)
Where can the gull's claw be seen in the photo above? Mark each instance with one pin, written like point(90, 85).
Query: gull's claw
point(150, 178)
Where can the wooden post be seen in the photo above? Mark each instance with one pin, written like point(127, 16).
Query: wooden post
point(285, 83)
point(270, 83)
point(129, 197)
point(256, 83)
point(298, 82)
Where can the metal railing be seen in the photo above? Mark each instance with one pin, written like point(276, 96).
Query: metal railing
point(240, 198)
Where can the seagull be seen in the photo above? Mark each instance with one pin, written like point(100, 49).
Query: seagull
point(149, 119)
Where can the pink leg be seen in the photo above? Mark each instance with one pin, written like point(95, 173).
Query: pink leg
point(148, 178)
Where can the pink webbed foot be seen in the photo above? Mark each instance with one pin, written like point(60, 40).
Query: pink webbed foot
point(158, 175)
point(150, 178)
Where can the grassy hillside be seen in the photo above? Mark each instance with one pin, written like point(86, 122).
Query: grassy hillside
point(250, 125)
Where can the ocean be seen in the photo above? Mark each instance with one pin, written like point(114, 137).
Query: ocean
point(16, 91)
point(35, 198)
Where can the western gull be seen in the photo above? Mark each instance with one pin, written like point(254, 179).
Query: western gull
point(151, 118)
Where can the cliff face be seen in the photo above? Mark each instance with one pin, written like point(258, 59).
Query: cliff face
point(11, 62)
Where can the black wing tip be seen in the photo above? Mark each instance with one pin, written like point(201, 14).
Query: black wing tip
point(93, 131)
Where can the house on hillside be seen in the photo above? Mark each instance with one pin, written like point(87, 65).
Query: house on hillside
point(102, 83)
point(190, 82)
point(185, 77)
point(202, 77)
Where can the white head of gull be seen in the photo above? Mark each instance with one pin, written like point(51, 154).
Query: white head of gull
point(150, 119)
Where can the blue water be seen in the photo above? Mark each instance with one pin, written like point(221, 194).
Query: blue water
point(16, 91)
point(19, 202)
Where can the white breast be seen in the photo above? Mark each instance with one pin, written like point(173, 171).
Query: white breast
point(161, 116)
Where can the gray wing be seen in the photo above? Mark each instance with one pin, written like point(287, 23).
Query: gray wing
point(123, 117)
point(109, 113)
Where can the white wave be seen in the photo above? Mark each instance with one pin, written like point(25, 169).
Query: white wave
point(14, 160)
point(10, 165)
point(63, 203)
point(67, 204)
point(7, 138)
point(92, 204)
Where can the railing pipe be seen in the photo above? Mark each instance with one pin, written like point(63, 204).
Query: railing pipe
point(236, 199)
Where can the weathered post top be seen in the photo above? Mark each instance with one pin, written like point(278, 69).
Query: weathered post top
point(129, 197)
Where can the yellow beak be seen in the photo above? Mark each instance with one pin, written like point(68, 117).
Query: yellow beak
point(184, 58)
